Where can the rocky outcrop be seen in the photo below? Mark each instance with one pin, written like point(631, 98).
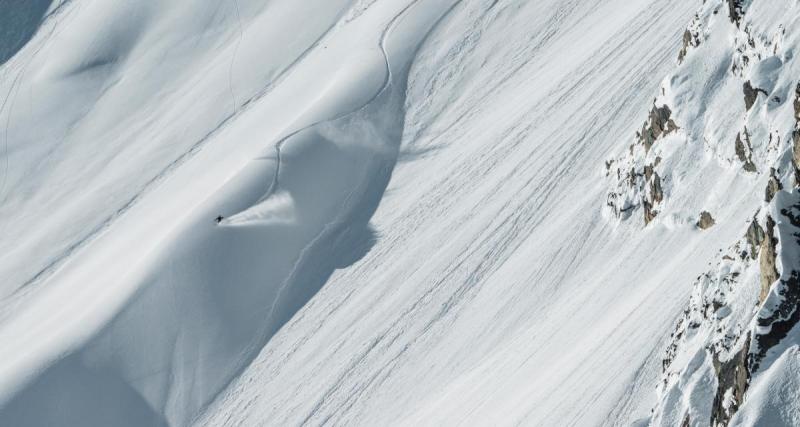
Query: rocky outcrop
point(658, 124)
point(711, 319)
point(635, 176)
point(755, 236)
point(796, 137)
point(692, 37)
point(797, 103)
point(780, 320)
point(706, 221)
point(744, 151)
point(733, 378)
point(654, 195)
point(766, 260)
point(751, 94)
point(650, 212)
point(636, 180)
point(736, 11)
point(744, 312)
point(773, 186)
point(796, 156)
point(688, 38)
point(780, 311)
point(718, 315)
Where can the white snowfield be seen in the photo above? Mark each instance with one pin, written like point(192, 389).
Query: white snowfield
point(411, 196)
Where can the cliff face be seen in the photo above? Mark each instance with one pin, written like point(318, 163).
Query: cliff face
point(726, 120)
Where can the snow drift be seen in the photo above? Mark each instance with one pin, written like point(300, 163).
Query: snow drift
point(433, 212)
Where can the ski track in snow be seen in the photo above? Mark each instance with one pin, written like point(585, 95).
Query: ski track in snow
point(495, 293)
point(187, 156)
point(340, 216)
point(52, 266)
point(505, 237)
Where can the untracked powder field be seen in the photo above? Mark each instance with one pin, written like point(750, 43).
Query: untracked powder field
point(399, 213)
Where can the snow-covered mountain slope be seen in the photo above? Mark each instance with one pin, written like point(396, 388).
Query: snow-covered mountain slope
point(735, 100)
point(157, 318)
point(397, 212)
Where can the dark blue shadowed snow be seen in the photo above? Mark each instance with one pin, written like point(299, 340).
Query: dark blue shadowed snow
point(19, 20)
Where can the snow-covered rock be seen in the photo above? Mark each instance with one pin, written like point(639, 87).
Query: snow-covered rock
point(744, 311)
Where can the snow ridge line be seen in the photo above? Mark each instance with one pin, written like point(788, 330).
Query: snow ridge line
point(387, 81)
point(330, 227)
point(338, 219)
point(49, 269)
point(427, 326)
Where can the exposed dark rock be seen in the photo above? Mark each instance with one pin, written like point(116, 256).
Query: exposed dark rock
point(655, 189)
point(643, 180)
point(743, 152)
point(648, 172)
point(659, 124)
point(745, 63)
point(649, 213)
point(783, 318)
point(691, 38)
point(740, 150)
point(773, 186)
point(687, 39)
point(797, 103)
point(706, 221)
point(796, 137)
point(655, 196)
point(769, 274)
point(751, 94)
point(735, 11)
point(755, 236)
point(731, 375)
point(796, 156)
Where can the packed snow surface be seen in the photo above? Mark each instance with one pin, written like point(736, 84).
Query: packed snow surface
point(411, 196)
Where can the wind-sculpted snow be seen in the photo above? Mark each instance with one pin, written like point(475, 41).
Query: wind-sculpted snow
point(197, 304)
point(478, 302)
point(399, 212)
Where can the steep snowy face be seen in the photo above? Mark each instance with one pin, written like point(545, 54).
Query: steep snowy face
point(725, 128)
point(416, 212)
point(248, 199)
point(496, 292)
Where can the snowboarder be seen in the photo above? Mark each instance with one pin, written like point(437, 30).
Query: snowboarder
point(219, 219)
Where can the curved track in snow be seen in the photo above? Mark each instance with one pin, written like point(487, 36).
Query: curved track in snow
point(177, 299)
point(273, 187)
